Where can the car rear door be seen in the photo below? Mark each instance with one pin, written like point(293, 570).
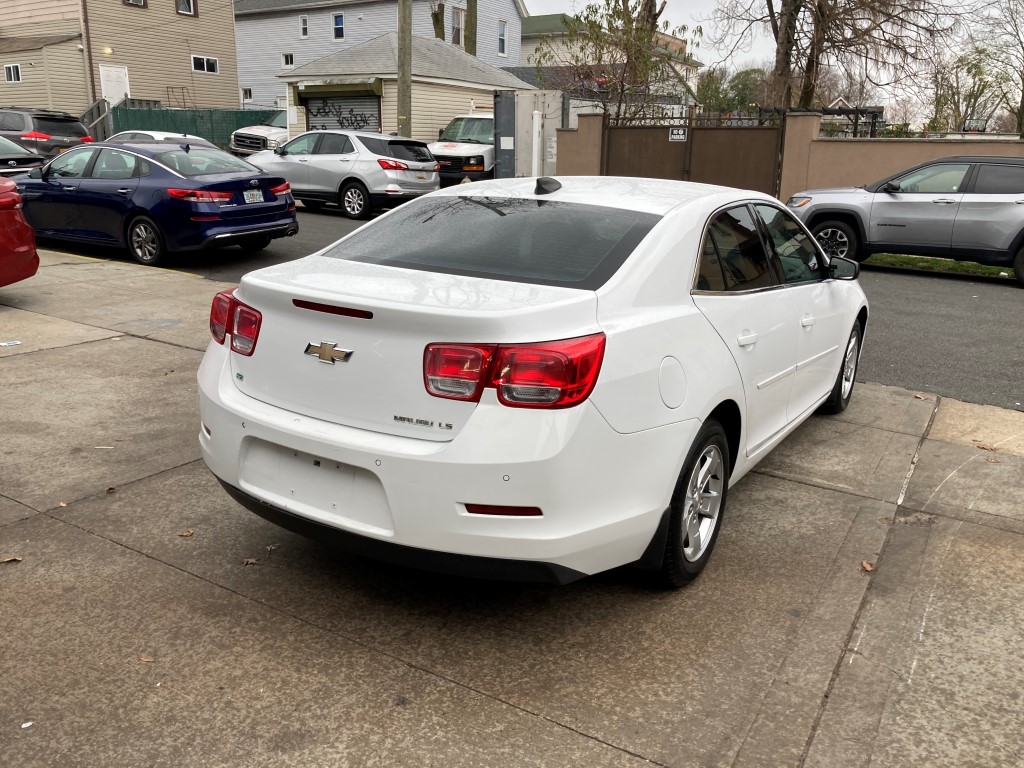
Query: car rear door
point(331, 163)
point(741, 296)
point(921, 212)
point(105, 195)
point(991, 214)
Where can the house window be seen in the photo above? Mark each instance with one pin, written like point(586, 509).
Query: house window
point(287, 59)
point(12, 73)
point(303, 26)
point(205, 64)
point(458, 24)
point(186, 7)
point(502, 38)
point(137, 3)
point(339, 26)
point(247, 94)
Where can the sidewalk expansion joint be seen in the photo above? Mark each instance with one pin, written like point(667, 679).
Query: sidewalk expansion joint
point(917, 452)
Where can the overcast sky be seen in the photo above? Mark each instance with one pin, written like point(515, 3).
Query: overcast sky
point(689, 12)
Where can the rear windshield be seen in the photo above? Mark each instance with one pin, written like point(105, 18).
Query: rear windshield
point(202, 161)
point(400, 149)
point(58, 127)
point(525, 241)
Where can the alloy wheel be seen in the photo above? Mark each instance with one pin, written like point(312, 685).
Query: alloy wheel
point(703, 502)
point(145, 241)
point(354, 201)
point(834, 242)
point(850, 364)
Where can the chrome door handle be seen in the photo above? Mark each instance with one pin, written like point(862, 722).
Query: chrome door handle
point(124, 191)
point(807, 321)
point(746, 339)
point(944, 201)
point(1019, 202)
point(70, 189)
point(303, 159)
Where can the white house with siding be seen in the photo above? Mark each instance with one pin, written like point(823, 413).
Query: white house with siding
point(276, 36)
point(357, 88)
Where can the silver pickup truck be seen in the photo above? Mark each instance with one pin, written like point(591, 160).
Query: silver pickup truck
point(963, 208)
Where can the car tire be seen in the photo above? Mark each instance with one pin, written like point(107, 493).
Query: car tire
point(697, 507)
point(837, 238)
point(145, 241)
point(255, 243)
point(1018, 267)
point(312, 205)
point(354, 200)
point(842, 390)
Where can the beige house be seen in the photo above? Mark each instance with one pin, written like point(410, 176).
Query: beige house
point(66, 54)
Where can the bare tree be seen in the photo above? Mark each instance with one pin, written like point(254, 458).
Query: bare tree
point(623, 55)
point(878, 40)
point(1002, 27)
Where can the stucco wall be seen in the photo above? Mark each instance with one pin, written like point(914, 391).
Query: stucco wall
point(579, 149)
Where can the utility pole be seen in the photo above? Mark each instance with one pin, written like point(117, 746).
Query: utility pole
point(405, 67)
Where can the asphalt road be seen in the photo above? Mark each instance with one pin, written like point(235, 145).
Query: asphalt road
point(954, 336)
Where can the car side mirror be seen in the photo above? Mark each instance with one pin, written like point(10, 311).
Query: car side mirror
point(843, 269)
point(891, 186)
point(280, 151)
point(35, 173)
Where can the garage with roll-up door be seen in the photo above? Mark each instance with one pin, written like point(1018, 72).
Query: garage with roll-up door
point(349, 112)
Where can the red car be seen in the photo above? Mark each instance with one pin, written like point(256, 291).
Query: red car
point(18, 257)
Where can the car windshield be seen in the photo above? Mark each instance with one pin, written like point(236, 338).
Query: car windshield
point(280, 120)
point(59, 127)
point(201, 161)
point(515, 239)
point(476, 130)
point(8, 147)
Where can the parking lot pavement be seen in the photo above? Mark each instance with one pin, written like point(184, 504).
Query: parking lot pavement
point(863, 605)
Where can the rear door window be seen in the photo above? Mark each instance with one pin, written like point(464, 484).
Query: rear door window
point(520, 240)
point(12, 121)
point(1000, 180)
point(114, 164)
point(334, 144)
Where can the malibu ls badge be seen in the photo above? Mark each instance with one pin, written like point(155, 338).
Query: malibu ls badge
point(328, 352)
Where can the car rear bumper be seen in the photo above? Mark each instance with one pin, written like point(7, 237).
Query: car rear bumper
point(602, 493)
point(228, 233)
point(393, 198)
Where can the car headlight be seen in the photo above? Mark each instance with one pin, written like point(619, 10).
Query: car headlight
point(798, 201)
point(271, 144)
point(475, 160)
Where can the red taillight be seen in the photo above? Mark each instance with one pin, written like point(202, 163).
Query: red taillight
point(88, 139)
point(281, 189)
point(230, 316)
point(495, 509)
point(35, 136)
point(554, 374)
point(437, 167)
point(199, 195)
point(10, 201)
point(392, 165)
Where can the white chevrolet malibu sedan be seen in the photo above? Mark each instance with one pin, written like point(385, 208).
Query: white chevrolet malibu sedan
point(530, 379)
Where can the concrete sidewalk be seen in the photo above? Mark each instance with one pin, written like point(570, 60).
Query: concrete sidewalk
point(134, 635)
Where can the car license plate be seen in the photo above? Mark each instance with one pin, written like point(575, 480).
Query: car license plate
point(253, 195)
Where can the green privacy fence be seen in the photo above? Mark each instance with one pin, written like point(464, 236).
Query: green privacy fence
point(214, 125)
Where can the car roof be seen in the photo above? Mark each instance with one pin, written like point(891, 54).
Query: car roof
point(367, 134)
point(657, 196)
point(148, 148)
point(42, 112)
point(976, 159)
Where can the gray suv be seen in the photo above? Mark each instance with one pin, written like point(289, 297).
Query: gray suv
point(358, 170)
point(963, 208)
point(42, 131)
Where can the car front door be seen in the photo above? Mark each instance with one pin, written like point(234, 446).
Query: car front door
point(918, 209)
point(293, 161)
point(105, 195)
point(818, 306)
point(991, 214)
point(51, 202)
point(331, 163)
point(741, 296)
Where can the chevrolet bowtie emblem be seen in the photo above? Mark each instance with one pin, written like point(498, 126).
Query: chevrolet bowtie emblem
point(328, 352)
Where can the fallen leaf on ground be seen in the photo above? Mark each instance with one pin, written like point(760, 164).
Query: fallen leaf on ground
point(63, 503)
point(29, 724)
point(250, 561)
point(11, 559)
point(186, 534)
point(111, 489)
point(866, 566)
point(920, 397)
point(145, 659)
point(983, 447)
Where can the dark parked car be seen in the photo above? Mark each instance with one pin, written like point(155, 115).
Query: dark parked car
point(157, 198)
point(18, 257)
point(15, 159)
point(963, 208)
point(43, 131)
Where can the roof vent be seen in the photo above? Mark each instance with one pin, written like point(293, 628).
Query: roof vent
point(546, 185)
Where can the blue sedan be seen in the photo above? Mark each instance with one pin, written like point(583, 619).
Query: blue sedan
point(157, 198)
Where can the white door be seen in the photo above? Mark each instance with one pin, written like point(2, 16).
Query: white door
point(114, 83)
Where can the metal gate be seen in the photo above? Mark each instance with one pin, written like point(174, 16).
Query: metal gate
point(353, 113)
point(708, 151)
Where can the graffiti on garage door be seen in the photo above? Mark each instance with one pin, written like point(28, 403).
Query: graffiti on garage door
point(352, 113)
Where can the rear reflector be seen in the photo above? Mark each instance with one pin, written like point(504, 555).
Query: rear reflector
point(333, 310)
point(494, 509)
point(230, 316)
point(550, 374)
